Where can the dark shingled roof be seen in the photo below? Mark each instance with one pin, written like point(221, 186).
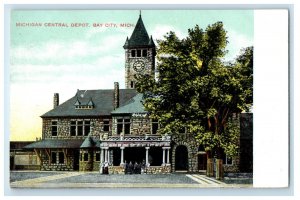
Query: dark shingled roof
point(102, 100)
point(52, 144)
point(89, 142)
point(139, 37)
point(134, 105)
point(18, 145)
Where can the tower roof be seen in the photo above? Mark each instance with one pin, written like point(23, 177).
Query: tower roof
point(139, 37)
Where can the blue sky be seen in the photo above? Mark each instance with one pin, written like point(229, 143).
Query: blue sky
point(45, 60)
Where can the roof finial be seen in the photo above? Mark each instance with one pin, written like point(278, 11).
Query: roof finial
point(140, 13)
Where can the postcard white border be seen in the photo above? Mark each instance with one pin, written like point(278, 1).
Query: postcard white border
point(263, 159)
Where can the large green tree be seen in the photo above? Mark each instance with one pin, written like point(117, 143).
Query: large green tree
point(197, 92)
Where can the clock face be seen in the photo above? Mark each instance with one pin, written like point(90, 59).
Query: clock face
point(139, 66)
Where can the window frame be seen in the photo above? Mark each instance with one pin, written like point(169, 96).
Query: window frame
point(105, 125)
point(156, 123)
point(61, 155)
point(133, 53)
point(139, 53)
point(80, 127)
point(123, 125)
point(56, 157)
point(85, 156)
point(97, 157)
point(144, 53)
point(53, 157)
point(54, 126)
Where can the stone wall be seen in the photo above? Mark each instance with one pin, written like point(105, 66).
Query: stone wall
point(46, 164)
point(116, 170)
point(96, 164)
point(150, 170)
point(97, 127)
point(140, 125)
point(234, 167)
point(86, 165)
point(158, 169)
point(189, 142)
point(64, 124)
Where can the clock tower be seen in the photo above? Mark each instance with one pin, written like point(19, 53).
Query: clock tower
point(139, 54)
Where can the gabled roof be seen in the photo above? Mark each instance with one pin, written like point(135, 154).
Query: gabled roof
point(53, 144)
point(102, 100)
point(139, 37)
point(134, 105)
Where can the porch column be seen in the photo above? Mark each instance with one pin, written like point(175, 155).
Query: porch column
point(147, 153)
point(122, 155)
point(105, 156)
point(102, 156)
point(164, 152)
point(168, 155)
point(108, 155)
point(101, 160)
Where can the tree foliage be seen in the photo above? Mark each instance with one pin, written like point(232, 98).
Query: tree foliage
point(197, 92)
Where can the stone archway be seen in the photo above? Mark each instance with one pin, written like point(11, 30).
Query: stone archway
point(191, 146)
point(181, 158)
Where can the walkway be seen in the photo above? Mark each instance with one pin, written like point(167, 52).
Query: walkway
point(96, 180)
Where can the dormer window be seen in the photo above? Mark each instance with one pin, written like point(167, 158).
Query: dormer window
point(89, 105)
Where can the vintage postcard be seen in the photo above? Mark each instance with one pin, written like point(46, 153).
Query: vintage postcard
point(131, 98)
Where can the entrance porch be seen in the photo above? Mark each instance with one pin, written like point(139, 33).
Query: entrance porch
point(152, 153)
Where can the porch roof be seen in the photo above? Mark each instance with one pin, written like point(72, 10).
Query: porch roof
point(55, 143)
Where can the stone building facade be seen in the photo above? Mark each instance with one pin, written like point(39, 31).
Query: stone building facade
point(111, 126)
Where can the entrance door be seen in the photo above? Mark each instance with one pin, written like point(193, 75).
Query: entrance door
point(134, 154)
point(76, 160)
point(202, 161)
point(181, 158)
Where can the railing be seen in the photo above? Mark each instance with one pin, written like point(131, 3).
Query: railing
point(138, 138)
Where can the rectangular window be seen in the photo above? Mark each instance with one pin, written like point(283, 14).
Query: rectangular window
point(144, 52)
point(106, 125)
point(227, 160)
point(123, 124)
point(131, 84)
point(85, 157)
point(154, 126)
point(127, 126)
point(73, 128)
point(79, 128)
point(119, 126)
point(97, 156)
point(54, 128)
point(138, 53)
point(133, 53)
point(61, 157)
point(53, 157)
point(87, 126)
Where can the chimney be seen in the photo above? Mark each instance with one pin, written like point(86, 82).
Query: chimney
point(116, 95)
point(55, 100)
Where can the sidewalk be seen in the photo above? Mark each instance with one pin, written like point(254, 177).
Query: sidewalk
point(29, 179)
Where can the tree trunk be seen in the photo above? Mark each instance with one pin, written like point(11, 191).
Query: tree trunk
point(219, 169)
point(210, 165)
